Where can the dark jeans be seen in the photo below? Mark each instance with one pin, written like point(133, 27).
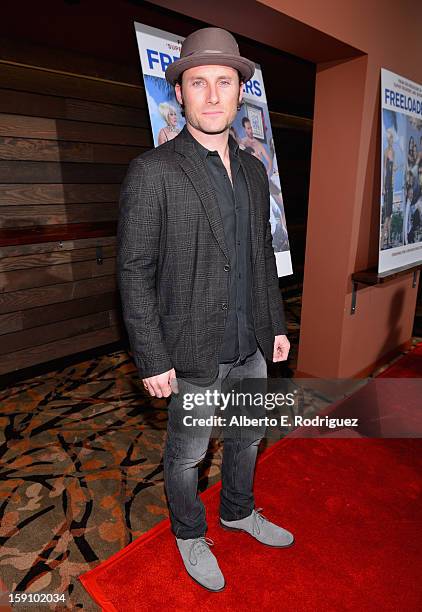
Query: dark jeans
point(187, 446)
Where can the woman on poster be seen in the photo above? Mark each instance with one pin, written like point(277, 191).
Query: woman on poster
point(169, 114)
point(389, 168)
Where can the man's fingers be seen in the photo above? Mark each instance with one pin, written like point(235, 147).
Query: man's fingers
point(161, 385)
point(281, 352)
point(159, 388)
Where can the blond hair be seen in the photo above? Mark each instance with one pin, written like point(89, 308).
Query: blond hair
point(164, 109)
point(390, 132)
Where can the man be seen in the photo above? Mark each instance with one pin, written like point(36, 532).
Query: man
point(252, 145)
point(257, 147)
point(199, 289)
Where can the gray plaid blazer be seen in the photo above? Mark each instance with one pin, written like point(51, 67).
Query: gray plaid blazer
point(172, 261)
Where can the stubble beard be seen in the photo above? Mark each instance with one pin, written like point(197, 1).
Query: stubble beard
point(198, 125)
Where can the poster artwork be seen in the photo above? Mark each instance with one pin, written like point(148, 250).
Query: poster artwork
point(400, 243)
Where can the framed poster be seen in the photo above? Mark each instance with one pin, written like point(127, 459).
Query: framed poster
point(400, 235)
point(256, 117)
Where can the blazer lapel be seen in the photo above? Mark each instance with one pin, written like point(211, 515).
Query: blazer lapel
point(194, 167)
point(248, 171)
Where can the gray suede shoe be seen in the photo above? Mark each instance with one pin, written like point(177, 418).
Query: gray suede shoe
point(200, 563)
point(261, 529)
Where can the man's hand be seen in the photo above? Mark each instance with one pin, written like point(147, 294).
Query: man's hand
point(160, 385)
point(281, 348)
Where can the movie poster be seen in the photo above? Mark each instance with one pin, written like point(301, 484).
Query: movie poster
point(251, 128)
point(401, 173)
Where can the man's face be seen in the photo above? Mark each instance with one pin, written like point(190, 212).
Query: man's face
point(248, 129)
point(210, 95)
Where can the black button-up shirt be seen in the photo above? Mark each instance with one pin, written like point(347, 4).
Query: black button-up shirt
point(233, 199)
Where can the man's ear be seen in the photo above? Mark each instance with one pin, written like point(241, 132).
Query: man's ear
point(178, 92)
point(240, 92)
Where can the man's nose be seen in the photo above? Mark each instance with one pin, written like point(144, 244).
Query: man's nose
point(213, 97)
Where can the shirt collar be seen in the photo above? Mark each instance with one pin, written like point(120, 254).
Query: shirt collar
point(204, 152)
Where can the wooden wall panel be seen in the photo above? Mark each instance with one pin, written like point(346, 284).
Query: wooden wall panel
point(65, 144)
point(62, 150)
point(22, 216)
point(59, 172)
point(36, 105)
point(15, 301)
point(26, 319)
point(42, 334)
point(49, 258)
point(52, 247)
point(47, 233)
point(52, 350)
point(19, 195)
point(17, 280)
point(80, 131)
point(54, 83)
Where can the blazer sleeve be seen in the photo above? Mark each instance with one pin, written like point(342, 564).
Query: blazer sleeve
point(138, 246)
point(275, 299)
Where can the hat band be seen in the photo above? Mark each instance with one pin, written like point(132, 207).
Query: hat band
point(216, 51)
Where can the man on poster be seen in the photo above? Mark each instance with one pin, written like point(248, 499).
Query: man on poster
point(258, 149)
point(199, 288)
point(252, 145)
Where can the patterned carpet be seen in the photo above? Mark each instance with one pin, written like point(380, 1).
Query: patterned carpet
point(81, 470)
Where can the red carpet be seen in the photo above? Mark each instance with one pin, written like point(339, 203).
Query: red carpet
point(408, 366)
point(387, 406)
point(355, 507)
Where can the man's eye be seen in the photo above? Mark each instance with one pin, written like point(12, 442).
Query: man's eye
point(225, 82)
point(196, 83)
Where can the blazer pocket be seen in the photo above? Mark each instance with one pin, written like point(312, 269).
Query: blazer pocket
point(177, 337)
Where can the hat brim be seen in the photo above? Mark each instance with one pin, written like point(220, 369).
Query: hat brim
point(243, 65)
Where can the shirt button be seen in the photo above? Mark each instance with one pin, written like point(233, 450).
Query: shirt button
point(226, 268)
point(224, 306)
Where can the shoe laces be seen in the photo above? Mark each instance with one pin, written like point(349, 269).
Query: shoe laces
point(258, 520)
point(199, 546)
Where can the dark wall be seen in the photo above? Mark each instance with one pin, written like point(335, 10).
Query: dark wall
point(294, 149)
point(97, 38)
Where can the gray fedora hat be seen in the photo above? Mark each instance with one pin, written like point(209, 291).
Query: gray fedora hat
point(210, 46)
